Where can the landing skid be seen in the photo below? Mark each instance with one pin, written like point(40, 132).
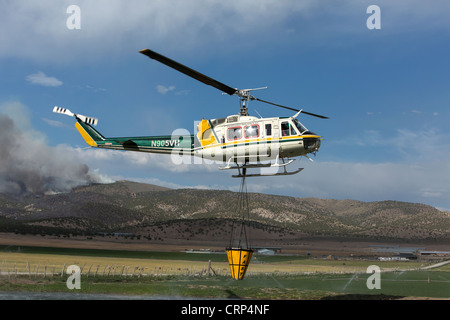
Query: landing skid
point(285, 173)
point(244, 167)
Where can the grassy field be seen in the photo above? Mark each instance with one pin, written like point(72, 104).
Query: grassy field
point(179, 274)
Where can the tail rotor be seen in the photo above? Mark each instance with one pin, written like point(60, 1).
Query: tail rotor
point(67, 112)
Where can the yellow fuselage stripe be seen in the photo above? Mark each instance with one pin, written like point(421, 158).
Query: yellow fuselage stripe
point(258, 140)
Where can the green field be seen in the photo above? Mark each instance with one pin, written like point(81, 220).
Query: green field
point(178, 274)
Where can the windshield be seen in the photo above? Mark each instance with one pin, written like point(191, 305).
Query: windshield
point(299, 126)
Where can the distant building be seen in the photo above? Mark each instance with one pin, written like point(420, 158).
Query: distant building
point(274, 249)
point(266, 252)
point(435, 253)
point(399, 257)
point(394, 249)
point(407, 256)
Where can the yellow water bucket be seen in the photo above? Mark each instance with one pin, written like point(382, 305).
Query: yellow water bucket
point(239, 259)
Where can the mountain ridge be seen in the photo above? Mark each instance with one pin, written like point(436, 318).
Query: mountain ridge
point(155, 212)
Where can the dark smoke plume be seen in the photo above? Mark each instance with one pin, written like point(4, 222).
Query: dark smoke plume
point(29, 166)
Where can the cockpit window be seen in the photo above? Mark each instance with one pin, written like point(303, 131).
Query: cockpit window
point(299, 126)
point(287, 129)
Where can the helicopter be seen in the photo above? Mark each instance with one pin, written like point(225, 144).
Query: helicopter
point(238, 141)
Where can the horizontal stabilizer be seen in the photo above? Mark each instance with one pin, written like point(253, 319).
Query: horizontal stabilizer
point(67, 112)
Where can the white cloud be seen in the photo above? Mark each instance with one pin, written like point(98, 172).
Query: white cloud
point(42, 79)
point(95, 89)
point(54, 123)
point(37, 29)
point(182, 92)
point(423, 182)
point(411, 145)
point(163, 90)
point(143, 161)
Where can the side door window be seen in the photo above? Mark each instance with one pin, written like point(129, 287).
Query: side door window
point(268, 129)
point(251, 131)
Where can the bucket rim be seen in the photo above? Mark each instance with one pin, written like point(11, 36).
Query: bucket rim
point(238, 249)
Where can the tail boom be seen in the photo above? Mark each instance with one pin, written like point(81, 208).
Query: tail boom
point(154, 144)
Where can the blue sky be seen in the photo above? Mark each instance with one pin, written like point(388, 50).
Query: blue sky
point(385, 90)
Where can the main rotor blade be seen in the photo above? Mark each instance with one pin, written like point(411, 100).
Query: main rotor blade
point(297, 110)
point(188, 71)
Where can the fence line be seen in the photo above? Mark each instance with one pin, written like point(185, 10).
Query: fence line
point(110, 270)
